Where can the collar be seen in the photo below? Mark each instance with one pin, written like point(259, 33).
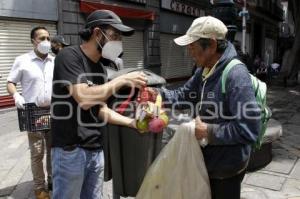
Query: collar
point(207, 72)
point(33, 56)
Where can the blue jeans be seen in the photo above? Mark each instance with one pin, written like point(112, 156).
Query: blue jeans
point(77, 173)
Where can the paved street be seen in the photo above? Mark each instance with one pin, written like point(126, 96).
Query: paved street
point(279, 180)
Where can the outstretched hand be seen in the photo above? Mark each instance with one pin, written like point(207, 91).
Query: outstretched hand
point(152, 91)
point(135, 79)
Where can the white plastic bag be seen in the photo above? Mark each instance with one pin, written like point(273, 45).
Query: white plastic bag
point(179, 171)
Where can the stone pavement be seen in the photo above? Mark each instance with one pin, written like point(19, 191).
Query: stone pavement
point(278, 180)
point(281, 178)
point(15, 171)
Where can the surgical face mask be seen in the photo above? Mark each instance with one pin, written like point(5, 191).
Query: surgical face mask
point(111, 49)
point(44, 47)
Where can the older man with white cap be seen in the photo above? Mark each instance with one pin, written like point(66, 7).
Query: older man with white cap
point(228, 122)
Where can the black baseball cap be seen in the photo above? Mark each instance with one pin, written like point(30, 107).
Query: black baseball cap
point(59, 39)
point(107, 17)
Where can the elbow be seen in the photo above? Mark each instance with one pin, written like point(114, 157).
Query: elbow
point(256, 133)
point(253, 139)
point(86, 103)
point(85, 106)
point(10, 87)
point(253, 136)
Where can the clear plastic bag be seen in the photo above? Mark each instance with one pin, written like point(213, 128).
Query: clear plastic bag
point(179, 171)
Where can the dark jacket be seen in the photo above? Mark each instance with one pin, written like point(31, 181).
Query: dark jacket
point(230, 138)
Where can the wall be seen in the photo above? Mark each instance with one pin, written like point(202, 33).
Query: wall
point(152, 38)
point(31, 9)
point(174, 23)
point(70, 20)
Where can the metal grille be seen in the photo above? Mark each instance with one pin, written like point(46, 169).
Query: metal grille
point(133, 50)
point(175, 60)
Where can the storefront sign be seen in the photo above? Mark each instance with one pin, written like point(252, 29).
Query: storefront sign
point(181, 7)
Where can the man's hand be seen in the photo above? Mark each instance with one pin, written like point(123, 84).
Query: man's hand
point(19, 100)
point(135, 79)
point(154, 92)
point(133, 124)
point(87, 96)
point(200, 129)
point(112, 117)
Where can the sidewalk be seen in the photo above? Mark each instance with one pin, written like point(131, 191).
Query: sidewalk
point(279, 180)
point(15, 171)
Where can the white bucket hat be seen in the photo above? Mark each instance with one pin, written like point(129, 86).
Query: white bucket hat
point(203, 27)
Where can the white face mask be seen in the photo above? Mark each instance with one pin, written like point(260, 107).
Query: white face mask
point(112, 49)
point(44, 47)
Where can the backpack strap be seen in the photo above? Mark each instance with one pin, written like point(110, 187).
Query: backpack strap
point(225, 72)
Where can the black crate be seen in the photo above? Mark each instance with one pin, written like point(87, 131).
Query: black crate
point(34, 118)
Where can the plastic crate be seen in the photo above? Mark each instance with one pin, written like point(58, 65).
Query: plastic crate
point(34, 118)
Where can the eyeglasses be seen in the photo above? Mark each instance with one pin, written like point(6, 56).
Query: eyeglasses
point(113, 35)
point(44, 38)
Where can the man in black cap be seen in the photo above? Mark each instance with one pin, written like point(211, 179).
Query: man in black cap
point(58, 43)
point(79, 106)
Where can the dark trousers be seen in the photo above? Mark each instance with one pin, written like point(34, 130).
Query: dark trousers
point(227, 188)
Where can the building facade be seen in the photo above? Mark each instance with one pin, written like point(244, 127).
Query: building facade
point(263, 28)
point(157, 23)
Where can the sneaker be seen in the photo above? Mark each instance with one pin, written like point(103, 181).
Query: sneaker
point(41, 194)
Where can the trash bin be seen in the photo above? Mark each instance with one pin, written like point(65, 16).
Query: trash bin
point(129, 153)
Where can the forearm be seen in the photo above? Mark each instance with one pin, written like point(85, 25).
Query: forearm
point(11, 88)
point(176, 98)
point(87, 96)
point(104, 91)
point(184, 93)
point(113, 117)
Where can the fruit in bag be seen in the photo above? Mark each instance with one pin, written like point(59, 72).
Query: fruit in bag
point(156, 125)
point(142, 126)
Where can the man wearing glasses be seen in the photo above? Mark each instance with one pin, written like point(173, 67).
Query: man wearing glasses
point(34, 70)
point(80, 92)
